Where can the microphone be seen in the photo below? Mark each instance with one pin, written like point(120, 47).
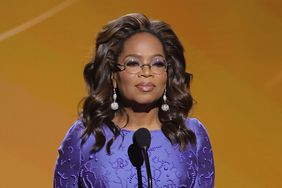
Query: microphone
point(136, 159)
point(142, 138)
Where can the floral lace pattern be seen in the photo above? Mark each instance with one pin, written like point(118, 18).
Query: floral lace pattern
point(76, 167)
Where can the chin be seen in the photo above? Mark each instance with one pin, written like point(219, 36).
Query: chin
point(146, 101)
point(143, 99)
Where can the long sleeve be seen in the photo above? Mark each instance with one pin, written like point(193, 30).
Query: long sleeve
point(68, 162)
point(206, 172)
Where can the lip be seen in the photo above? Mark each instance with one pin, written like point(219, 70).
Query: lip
point(145, 86)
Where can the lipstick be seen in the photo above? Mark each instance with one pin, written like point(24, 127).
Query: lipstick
point(145, 86)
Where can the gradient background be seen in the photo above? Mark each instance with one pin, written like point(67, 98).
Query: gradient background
point(233, 48)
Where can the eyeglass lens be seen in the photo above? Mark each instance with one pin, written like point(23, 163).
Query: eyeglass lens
point(134, 65)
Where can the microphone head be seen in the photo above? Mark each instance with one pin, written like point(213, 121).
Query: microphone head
point(142, 138)
point(135, 155)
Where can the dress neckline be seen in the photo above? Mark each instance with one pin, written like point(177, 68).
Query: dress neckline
point(151, 131)
point(130, 130)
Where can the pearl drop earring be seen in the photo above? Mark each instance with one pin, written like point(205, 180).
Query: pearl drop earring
point(114, 104)
point(165, 106)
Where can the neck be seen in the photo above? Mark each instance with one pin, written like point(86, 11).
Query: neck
point(137, 119)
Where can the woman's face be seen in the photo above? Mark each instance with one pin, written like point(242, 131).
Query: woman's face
point(145, 86)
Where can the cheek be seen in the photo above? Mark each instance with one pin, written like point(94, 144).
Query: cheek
point(124, 82)
point(162, 80)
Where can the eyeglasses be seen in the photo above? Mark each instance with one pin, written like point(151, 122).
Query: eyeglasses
point(133, 65)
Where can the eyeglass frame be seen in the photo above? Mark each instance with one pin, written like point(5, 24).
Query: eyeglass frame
point(141, 66)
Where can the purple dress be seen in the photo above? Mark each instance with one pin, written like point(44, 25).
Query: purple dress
point(77, 167)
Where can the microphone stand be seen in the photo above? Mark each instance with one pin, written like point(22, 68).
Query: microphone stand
point(148, 168)
point(142, 138)
point(137, 159)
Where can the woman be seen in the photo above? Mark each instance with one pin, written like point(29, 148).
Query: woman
point(136, 79)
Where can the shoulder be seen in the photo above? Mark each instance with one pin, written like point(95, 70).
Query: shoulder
point(199, 130)
point(73, 135)
point(195, 125)
point(75, 130)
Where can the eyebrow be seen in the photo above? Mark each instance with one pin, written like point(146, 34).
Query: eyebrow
point(141, 57)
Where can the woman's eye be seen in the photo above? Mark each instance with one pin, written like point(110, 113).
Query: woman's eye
point(132, 63)
point(158, 64)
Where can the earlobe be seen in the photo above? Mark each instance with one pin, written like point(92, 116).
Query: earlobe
point(113, 77)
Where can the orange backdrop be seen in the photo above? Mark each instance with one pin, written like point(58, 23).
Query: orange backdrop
point(233, 48)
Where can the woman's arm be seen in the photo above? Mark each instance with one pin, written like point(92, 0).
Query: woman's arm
point(206, 173)
point(68, 161)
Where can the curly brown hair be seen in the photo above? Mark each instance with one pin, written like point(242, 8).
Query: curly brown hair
point(96, 111)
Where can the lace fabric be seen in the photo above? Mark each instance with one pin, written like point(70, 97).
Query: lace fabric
point(77, 167)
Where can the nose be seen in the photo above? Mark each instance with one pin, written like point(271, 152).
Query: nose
point(146, 70)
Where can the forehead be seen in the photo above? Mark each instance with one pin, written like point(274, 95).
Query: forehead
point(142, 44)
